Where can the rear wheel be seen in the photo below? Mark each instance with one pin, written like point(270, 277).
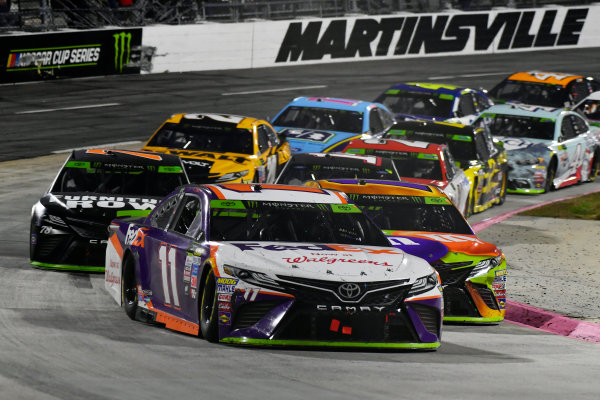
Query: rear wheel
point(550, 176)
point(129, 287)
point(208, 308)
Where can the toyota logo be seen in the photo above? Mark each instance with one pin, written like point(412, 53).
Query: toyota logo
point(349, 290)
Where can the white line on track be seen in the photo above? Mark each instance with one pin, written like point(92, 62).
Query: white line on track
point(44, 110)
point(433, 78)
point(274, 90)
point(97, 146)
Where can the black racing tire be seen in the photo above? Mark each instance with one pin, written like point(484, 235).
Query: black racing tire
point(550, 176)
point(503, 184)
point(129, 287)
point(208, 308)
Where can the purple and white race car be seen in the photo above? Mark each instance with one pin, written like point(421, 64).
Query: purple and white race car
point(272, 265)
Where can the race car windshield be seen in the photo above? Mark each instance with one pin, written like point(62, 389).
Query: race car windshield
point(412, 213)
point(408, 164)
point(321, 118)
point(520, 126)
point(213, 138)
point(530, 93)
point(417, 103)
point(462, 147)
point(136, 180)
point(591, 109)
point(292, 222)
point(298, 173)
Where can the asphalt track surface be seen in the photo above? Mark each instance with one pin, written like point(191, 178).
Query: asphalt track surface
point(62, 337)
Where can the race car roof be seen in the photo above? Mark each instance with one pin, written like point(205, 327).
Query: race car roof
point(114, 156)
point(389, 144)
point(550, 78)
point(220, 120)
point(264, 192)
point(369, 186)
point(428, 88)
point(332, 102)
point(523, 110)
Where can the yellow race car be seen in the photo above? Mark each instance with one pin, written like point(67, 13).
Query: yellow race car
point(222, 148)
point(484, 161)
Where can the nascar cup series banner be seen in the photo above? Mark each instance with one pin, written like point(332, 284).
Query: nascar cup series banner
point(30, 57)
point(310, 41)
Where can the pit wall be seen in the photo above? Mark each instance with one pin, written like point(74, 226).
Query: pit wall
point(215, 46)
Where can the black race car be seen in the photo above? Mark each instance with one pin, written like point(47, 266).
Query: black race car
point(69, 225)
point(304, 167)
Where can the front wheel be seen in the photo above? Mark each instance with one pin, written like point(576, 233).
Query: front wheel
point(129, 287)
point(550, 176)
point(208, 308)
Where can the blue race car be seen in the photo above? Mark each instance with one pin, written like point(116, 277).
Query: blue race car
point(325, 124)
point(434, 102)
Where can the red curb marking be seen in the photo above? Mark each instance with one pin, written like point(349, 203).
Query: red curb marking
point(537, 318)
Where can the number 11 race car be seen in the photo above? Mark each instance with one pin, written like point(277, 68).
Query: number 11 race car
point(272, 265)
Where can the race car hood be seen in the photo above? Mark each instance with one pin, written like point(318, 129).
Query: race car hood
point(322, 261)
point(97, 207)
point(432, 246)
point(511, 143)
point(314, 141)
point(208, 162)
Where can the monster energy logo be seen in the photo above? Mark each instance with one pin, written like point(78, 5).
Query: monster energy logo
point(122, 49)
point(252, 204)
point(322, 207)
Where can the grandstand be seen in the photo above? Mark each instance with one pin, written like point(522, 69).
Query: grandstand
point(49, 15)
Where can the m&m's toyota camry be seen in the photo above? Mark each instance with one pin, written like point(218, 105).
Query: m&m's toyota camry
point(272, 265)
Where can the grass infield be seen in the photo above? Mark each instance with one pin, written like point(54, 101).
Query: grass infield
point(584, 207)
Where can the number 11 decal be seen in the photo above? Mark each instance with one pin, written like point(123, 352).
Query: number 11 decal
point(166, 259)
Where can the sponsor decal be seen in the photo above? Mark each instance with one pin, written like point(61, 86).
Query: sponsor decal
point(194, 293)
point(196, 163)
point(187, 273)
point(101, 242)
point(50, 58)
point(224, 297)
point(350, 309)
point(194, 280)
point(122, 49)
point(135, 236)
point(224, 306)
point(201, 154)
point(33, 238)
point(430, 34)
point(224, 318)
point(332, 260)
point(112, 277)
point(226, 285)
point(188, 260)
point(137, 203)
point(499, 287)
